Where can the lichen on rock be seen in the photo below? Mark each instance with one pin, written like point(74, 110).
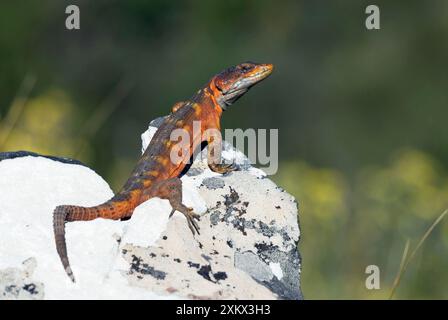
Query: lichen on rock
point(247, 247)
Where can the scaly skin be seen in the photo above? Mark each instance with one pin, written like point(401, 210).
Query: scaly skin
point(155, 174)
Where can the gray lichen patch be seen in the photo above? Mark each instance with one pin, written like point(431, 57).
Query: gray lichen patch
point(141, 268)
point(214, 217)
point(194, 172)
point(213, 183)
point(252, 264)
point(289, 262)
point(17, 283)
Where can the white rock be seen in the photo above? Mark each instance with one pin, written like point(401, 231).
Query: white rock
point(30, 188)
point(246, 249)
point(276, 270)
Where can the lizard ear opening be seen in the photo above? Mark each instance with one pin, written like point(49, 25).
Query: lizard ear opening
point(218, 85)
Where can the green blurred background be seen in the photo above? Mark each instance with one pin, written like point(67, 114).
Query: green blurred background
point(362, 115)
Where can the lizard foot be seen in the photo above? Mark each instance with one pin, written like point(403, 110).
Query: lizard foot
point(223, 168)
point(191, 216)
point(171, 189)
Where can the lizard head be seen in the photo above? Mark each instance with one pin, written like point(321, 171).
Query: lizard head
point(232, 83)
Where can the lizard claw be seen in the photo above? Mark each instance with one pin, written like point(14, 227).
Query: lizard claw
point(191, 217)
point(224, 168)
point(229, 168)
point(233, 167)
point(192, 224)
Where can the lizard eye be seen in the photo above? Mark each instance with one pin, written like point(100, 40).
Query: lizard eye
point(247, 66)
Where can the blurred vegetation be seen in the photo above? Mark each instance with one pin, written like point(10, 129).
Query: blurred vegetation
point(348, 225)
point(361, 114)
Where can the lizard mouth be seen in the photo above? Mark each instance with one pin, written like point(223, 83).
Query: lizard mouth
point(231, 97)
point(245, 83)
point(262, 73)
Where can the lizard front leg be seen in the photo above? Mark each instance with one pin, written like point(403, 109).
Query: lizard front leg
point(171, 189)
point(214, 149)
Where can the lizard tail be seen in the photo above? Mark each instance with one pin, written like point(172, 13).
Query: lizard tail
point(59, 218)
point(63, 214)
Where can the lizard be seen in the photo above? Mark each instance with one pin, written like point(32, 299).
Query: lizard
point(155, 175)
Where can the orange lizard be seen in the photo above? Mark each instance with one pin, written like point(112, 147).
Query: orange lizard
point(155, 174)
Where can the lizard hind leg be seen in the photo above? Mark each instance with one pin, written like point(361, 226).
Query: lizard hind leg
point(171, 189)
